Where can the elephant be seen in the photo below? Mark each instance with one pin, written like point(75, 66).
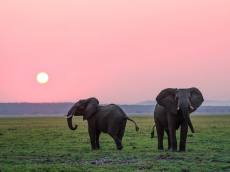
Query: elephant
point(110, 119)
point(172, 111)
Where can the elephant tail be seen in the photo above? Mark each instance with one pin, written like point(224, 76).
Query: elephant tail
point(136, 127)
point(152, 133)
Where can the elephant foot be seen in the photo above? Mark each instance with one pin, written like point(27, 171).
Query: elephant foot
point(118, 144)
point(161, 150)
point(173, 150)
point(182, 150)
point(120, 147)
point(95, 148)
point(160, 147)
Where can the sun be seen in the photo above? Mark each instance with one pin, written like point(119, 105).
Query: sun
point(42, 77)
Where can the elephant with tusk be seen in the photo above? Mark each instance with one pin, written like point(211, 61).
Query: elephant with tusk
point(173, 111)
point(109, 119)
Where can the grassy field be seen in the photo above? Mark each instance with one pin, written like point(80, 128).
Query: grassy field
point(46, 144)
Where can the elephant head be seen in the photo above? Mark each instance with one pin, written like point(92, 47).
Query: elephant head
point(181, 101)
point(85, 108)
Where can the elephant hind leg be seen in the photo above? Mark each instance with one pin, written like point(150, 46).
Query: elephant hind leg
point(118, 138)
point(169, 143)
point(160, 135)
point(92, 136)
point(117, 133)
point(117, 142)
point(183, 136)
point(121, 131)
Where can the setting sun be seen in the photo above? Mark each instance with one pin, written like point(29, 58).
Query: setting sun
point(42, 78)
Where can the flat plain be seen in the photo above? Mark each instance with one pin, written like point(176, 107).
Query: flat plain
point(46, 144)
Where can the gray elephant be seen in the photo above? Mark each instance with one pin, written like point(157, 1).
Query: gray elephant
point(173, 111)
point(109, 119)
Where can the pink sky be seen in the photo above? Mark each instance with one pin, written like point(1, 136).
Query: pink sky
point(122, 51)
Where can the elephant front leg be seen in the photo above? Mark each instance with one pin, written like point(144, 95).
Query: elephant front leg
point(169, 142)
point(183, 136)
point(173, 141)
point(92, 136)
point(172, 133)
point(97, 140)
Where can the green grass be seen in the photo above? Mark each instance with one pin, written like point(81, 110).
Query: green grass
point(46, 144)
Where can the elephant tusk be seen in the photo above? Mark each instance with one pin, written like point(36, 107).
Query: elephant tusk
point(178, 106)
point(71, 115)
point(190, 105)
point(67, 117)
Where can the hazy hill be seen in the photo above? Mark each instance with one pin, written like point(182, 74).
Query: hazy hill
point(61, 109)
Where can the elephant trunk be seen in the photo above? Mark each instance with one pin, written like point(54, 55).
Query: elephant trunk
point(69, 121)
point(190, 125)
point(187, 119)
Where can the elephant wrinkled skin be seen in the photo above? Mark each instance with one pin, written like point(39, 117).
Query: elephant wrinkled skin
point(173, 111)
point(109, 119)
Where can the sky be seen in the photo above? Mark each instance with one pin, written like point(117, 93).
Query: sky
point(122, 51)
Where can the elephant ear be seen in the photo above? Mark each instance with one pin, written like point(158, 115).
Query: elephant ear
point(196, 98)
point(167, 99)
point(91, 108)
